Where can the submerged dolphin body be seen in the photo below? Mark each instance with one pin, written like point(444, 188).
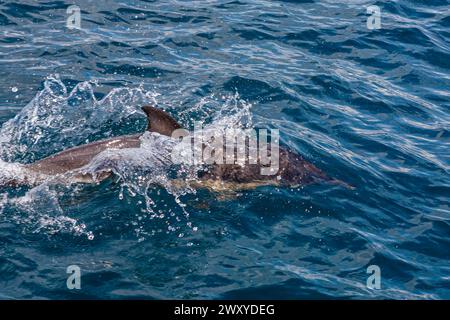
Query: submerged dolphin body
point(65, 166)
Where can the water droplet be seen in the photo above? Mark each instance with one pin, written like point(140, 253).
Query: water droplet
point(14, 89)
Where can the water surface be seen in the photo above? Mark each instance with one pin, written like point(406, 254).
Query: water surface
point(369, 107)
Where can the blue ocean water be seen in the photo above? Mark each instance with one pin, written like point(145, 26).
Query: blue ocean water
point(367, 106)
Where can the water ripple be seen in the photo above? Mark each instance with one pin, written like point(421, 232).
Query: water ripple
point(370, 107)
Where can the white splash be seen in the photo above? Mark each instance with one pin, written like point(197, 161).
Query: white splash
point(57, 119)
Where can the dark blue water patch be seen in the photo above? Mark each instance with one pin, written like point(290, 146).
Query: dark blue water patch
point(17, 10)
point(404, 8)
point(230, 4)
point(253, 34)
point(112, 17)
point(438, 58)
point(139, 71)
point(274, 292)
point(5, 21)
point(444, 22)
point(251, 89)
point(409, 36)
point(12, 40)
point(178, 44)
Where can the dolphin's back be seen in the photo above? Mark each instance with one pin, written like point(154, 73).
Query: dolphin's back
point(78, 157)
point(293, 170)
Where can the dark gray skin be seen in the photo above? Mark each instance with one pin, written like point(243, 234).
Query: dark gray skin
point(293, 169)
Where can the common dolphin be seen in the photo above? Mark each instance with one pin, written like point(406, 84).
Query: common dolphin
point(293, 169)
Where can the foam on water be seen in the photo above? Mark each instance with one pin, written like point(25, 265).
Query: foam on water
point(40, 211)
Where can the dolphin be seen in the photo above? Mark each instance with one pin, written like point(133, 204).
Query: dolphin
point(65, 166)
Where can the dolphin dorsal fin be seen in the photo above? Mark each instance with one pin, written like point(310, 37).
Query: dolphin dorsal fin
point(160, 121)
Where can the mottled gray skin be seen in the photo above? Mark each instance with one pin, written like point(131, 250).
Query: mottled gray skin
point(293, 169)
